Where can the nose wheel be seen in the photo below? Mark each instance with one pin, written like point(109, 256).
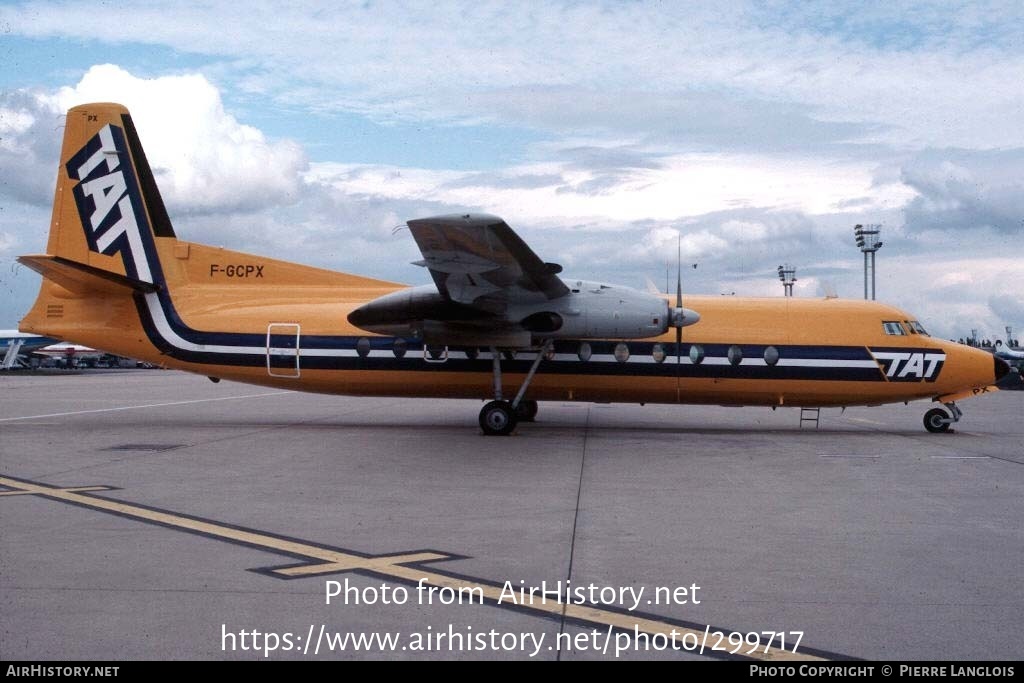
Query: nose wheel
point(938, 420)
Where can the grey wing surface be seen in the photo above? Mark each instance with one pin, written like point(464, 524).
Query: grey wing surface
point(479, 261)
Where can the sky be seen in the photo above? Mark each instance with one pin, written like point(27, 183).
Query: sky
point(756, 133)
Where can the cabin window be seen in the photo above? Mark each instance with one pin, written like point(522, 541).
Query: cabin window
point(916, 326)
point(893, 328)
point(696, 354)
point(658, 353)
point(363, 347)
point(771, 355)
point(399, 348)
point(584, 352)
point(621, 352)
point(735, 355)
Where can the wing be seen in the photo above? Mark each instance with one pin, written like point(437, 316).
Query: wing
point(479, 261)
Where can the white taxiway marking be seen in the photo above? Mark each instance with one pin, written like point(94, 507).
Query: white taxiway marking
point(148, 405)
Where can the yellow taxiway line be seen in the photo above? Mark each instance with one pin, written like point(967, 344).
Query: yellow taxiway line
point(325, 560)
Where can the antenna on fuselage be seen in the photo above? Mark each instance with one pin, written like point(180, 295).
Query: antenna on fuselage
point(679, 299)
point(681, 317)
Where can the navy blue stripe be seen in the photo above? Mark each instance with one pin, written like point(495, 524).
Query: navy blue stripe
point(413, 361)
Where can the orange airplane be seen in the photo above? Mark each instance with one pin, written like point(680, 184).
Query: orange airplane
point(498, 322)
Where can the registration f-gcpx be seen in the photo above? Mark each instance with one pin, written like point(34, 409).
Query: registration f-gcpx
point(497, 323)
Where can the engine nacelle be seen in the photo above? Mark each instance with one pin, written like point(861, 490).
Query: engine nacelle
point(596, 311)
point(590, 311)
point(402, 313)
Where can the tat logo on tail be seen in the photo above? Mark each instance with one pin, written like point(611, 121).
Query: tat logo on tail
point(910, 365)
point(109, 202)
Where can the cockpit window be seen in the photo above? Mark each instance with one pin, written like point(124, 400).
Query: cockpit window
point(916, 327)
point(893, 328)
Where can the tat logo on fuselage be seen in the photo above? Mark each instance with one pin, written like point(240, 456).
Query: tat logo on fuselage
point(108, 200)
point(910, 365)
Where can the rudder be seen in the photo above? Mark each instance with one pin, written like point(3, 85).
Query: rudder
point(107, 208)
point(107, 215)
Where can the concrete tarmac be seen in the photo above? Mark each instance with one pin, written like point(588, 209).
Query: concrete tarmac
point(150, 514)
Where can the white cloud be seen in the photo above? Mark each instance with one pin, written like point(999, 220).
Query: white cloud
point(7, 242)
point(29, 147)
point(761, 132)
point(679, 186)
point(203, 158)
point(966, 190)
point(930, 74)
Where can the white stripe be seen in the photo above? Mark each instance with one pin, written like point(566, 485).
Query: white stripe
point(827, 363)
point(142, 271)
point(172, 338)
point(149, 405)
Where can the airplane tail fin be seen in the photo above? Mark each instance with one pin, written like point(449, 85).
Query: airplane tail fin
point(107, 209)
point(107, 216)
point(113, 262)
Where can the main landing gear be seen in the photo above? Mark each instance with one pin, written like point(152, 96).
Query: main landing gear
point(938, 420)
point(499, 417)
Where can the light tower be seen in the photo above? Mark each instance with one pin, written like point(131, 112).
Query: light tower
point(867, 240)
point(787, 275)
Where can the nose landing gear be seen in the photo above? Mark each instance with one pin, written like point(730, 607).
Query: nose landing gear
point(938, 420)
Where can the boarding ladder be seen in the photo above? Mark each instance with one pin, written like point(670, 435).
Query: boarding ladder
point(809, 415)
point(12, 353)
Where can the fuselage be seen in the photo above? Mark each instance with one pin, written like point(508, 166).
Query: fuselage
point(258, 320)
point(117, 278)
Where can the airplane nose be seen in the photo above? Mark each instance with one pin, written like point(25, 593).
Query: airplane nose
point(1002, 368)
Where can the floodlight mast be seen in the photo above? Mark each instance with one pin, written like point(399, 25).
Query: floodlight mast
point(787, 275)
point(868, 241)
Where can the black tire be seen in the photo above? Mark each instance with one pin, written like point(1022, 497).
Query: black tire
point(526, 411)
point(933, 420)
point(497, 418)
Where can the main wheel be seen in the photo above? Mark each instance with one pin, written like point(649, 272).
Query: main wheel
point(526, 411)
point(497, 418)
point(934, 420)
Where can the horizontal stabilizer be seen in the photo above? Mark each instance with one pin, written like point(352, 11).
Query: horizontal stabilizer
point(83, 278)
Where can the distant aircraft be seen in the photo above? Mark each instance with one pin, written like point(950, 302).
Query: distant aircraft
point(1006, 353)
point(72, 352)
point(14, 344)
point(497, 322)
